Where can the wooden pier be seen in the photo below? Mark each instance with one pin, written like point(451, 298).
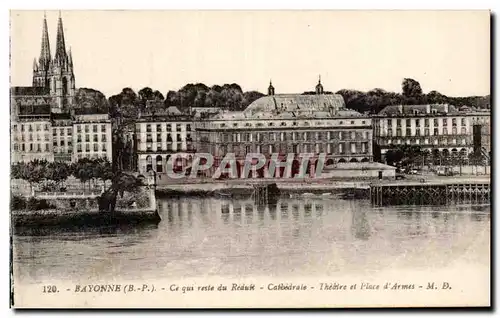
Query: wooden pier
point(436, 192)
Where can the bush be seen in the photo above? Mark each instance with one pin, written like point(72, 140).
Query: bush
point(17, 203)
point(35, 205)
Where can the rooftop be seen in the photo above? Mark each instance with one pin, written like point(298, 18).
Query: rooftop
point(29, 91)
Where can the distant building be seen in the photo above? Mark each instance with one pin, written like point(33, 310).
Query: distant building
point(159, 135)
point(289, 123)
point(441, 129)
point(92, 136)
point(43, 123)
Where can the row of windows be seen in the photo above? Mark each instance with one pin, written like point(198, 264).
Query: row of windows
point(95, 128)
point(436, 122)
point(291, 123)
point(29, 137)
point(273, 136)
point(169, 147)
point(169, 127)
point(93, 156)
point(32, 127)
point(390, 132)
point(341, 148)
point(60, 131)
point(32, 147)
point(417, 141)
point(149, 137)
point(95, 138)
point(87, 148)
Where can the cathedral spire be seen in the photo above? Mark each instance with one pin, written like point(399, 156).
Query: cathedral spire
point(45, 56)
point(35, 65)
point(70, 57)
point(270, 89)
point(60, 56)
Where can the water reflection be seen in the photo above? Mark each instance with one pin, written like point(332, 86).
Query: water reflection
point(301, 236)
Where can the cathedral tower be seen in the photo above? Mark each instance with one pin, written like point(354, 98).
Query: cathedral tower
point(41, 69)
point(62, 77)
point(55, 74)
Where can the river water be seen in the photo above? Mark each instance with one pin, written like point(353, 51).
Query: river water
point(234, 238)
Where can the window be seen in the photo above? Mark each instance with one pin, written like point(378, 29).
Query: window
point(38, 137)
point(87, 138)
point(417, 122)
point(398, 122)
point(79, 138)
point(69, 131)
point(408, 131)
point(87, 147)
point(22, 147)
point(148, 128)
point(103, 128)
point(47, 148)
point(427, 132)
point(306, 136)
point(389, 132)
point(45, 127)
point(103, 147)
point(363, 147)
point(30, 137)
point(188, 127)
point(38, 148)
point(158, 137)
point(178, 127)
point(398, 132)
point(37, 127)
point(353, 135)
point(389, 122)
point(95, 138)
point(30, 128)
point(31, 147)
point(454, 122)
point(295, 148)
point(436, 132)
point(463, 131)
point(426, 122)
point(169, 127)
point(340, 135)
point(179, 137)
point(353, 147)
point(445, 131)
point(96, 149)
point(22, 127)
point(149, 138)
point(454, 131)
point(86, 128)
point(341, 148)
point(78, 129)
point(62, 142)
point(417, 132)
point(408, 122)
point(103, 137)
point(352, 122)
point(463, 121)
point(158, 127)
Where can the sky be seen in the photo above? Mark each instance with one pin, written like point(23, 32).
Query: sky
point(447, 51)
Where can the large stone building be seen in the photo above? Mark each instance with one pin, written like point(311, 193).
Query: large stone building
point(289, 124)
point(43, 121)
point(159, 135)
point(442, 130)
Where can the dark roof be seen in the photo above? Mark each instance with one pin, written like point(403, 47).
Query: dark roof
point(29, 90)
point(421, 109)
point(33, 110)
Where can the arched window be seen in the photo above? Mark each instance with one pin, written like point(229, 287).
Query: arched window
point(365, 160)
point(64, 86)
point(149, 163)
point(342, 160)
point(353, 160)
point(159, 164)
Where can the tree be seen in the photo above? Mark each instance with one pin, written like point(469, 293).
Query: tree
point(121, 182)
point(411, 88)
point(90, 101)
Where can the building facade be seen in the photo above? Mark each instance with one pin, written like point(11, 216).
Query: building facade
point(159, 135)
point(289, 124)
point(442, 130)
point(43, 122)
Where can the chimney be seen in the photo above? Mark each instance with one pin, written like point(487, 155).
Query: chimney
point(428, 109)
point(446, 108)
